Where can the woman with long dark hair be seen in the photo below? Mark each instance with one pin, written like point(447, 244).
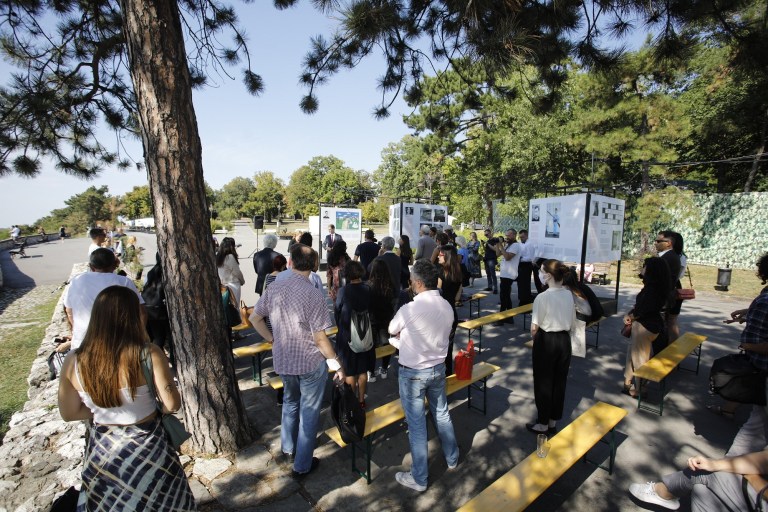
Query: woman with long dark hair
point(381, 310)
point(646, 319)
point(473, 247)
point(337, 259)
point(129, 463)
point(552, 320)
point(406, 260)
point(230, 274)
point(355, 295)
point(449, 284)
point(675, 305)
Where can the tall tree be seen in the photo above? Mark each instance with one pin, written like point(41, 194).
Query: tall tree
point(268, 195)
point(93, 205)
point(235, 196)
point(137, 203)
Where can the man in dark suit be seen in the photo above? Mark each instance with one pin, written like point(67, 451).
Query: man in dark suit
point(262, 261)
point(331, 238)
point(392, 260)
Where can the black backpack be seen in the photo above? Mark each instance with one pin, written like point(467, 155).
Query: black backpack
point(154, 300)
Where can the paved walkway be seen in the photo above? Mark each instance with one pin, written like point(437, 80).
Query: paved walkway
point(649, 445)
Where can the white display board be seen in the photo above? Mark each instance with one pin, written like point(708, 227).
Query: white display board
point(557, 226)
point(347, 222)
point(411, 216)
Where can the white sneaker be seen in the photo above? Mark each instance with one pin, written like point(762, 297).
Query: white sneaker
point(407, 480)
point(647, 494)
point(371, 377)
point(383, 373)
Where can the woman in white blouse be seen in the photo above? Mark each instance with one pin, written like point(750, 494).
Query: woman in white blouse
point(553, 318)
point(229, 268)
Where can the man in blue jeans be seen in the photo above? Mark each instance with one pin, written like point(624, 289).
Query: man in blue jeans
point(423, 326)
point(300, 353)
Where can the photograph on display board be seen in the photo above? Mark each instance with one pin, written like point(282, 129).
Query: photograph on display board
point(553, 220)
point(409, 210)
point(616, 241)
point(439, 215)
point(595, 208)
point(426, 215)
point(326, 215)
point(535, 215)
point(347, 220)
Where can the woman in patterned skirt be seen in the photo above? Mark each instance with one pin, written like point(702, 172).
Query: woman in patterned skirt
point(129, 462)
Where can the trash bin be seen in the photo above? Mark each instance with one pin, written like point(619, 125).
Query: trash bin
point(723, 278)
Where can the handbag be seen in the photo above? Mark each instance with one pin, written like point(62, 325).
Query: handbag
point(177, 434)
point(347, 414)
point(735, 378)
point(758, 505)
point(463, 362)
point(231, 314)
point(626, 330)
point(686, 293)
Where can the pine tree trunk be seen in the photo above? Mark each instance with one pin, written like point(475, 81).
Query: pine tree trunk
point(212, 406)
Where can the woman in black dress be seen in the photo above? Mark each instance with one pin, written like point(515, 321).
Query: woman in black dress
point(646, 319)
point(382, 309)
point(355, 295)
point(449, 284)
point(406, 259)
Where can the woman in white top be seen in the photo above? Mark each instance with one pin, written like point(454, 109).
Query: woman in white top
point(230, 274)
point(553, 317)
point(103, 381)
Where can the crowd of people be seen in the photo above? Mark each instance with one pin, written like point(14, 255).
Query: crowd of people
point(410, 299)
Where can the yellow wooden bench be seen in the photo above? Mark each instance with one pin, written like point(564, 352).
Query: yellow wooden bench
point(258, 351)
point(276, 383)
point(478, 323)
point(520, 486)
point(392, 412)
point(661, 365)
point(474, 301)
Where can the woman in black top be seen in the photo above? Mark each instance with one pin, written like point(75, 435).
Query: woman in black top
point(406, 259)
point(646, 318)
point(449, 284)
point(381, 310)
point(355, 295)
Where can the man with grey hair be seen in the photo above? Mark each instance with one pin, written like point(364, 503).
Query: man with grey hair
point(422, 328)
point(392, 260)
point(426, 245)
point(262, 261)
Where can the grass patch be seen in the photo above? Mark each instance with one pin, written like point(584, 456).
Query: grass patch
point(18, 348)
point(744, 283)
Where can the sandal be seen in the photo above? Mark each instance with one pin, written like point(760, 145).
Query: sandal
point(718, 409)
point(627, 389)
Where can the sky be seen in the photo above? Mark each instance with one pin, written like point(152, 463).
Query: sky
point(242, 134)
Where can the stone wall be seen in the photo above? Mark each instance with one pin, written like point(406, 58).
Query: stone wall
point(41, 455)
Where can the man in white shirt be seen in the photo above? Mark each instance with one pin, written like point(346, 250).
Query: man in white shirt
point(509, 250)
point(84, 288)
point(15, 232)
point(98, 237)
point(525, 268)
point(422, 327)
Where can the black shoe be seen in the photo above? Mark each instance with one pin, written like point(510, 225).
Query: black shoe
point(315, 463)
point(529, 427)
point(487, 289)
point(285, 458)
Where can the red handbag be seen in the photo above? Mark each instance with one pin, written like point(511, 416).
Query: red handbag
point(462, 363)
point(686, 293)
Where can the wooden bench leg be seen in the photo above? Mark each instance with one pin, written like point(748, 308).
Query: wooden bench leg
point(479, 344)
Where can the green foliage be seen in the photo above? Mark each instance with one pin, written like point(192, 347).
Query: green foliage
point(267, 196)
point(375, 211)
point(137, 203)
point(325, 179)
point(233, 200)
